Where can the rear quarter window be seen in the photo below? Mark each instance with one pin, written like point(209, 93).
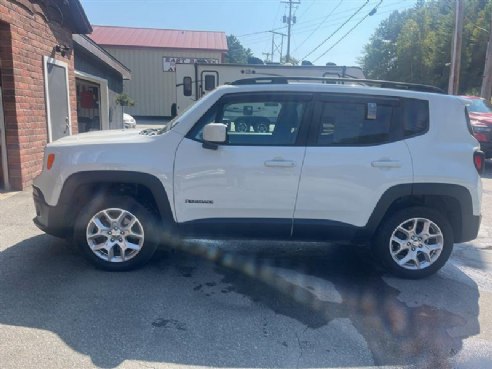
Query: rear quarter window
point(415, 117)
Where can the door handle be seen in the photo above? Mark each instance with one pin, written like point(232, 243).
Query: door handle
point(386, 164)
point(280, 163)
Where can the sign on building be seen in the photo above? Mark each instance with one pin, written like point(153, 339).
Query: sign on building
point(169, 62)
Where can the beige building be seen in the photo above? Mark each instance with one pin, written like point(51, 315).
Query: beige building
point(151, 55)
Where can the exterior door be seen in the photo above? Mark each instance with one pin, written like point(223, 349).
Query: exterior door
point(58, 108)
point(249, 184)
point(209, 81)
point(355, 153)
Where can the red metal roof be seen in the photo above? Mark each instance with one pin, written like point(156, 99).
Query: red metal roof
point(165, 38)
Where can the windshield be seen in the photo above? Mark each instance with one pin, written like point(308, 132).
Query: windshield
point(171, 124)
point(478, 106)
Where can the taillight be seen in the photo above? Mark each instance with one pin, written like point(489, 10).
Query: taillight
point(481, 137)
point(50, 161)
point(479, 161)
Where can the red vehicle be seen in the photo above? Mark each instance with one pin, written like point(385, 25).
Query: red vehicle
point(480, 112)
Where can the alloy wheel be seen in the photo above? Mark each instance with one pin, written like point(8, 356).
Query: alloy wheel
point(416, 243)
point(115, 235)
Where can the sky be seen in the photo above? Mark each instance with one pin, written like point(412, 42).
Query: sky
point(313, 36)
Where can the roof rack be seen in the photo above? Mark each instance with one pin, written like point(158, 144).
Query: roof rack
point(371, 82)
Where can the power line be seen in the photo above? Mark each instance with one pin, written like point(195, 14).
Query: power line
point(372, 12)
point(260, 32)
point(337, 16)
point(264, 36)
point(338, 29)
point(320, 24)
point(308, 8)
point(307, 25)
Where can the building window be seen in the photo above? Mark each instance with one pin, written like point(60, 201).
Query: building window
point(187, 86)
point(209, 82)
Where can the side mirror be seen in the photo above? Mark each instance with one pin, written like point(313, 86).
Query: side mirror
point(214, 133)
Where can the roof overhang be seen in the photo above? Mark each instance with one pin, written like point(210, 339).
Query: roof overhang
point(158, 38)
point(94, 49)
point(79, 23)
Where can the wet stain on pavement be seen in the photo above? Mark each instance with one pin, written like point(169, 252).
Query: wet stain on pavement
point(228, 289)
point(169, 323)
point(394, 332)
point(264, 329)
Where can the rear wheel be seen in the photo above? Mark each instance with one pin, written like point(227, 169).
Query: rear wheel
point(414, 242)
point(116, 233)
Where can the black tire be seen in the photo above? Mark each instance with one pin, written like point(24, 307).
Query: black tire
point(381, 244)
point(146, 219)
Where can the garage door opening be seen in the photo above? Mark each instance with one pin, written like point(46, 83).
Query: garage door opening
point(88, 105)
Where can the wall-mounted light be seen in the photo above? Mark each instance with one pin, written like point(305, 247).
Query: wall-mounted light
point(62, 49)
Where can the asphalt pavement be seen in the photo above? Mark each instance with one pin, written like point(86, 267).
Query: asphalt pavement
point(238, 305)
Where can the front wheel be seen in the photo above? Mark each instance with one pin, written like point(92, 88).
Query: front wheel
point(414, 243)
point(116, 233)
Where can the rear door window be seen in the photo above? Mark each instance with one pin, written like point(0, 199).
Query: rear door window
point(369, 120)
point(355, 122)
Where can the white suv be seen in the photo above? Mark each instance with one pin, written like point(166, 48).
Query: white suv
point(396, 169)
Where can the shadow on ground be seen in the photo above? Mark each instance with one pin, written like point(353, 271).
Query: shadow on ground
point(238, 305)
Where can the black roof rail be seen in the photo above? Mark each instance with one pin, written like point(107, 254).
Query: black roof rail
point(262, 80)
point(371, 82)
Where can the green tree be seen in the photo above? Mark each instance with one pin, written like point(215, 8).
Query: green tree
point(237, 53)
point(379, 59)
point(415, 45)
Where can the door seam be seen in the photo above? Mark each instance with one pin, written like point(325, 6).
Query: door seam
point(297, 192)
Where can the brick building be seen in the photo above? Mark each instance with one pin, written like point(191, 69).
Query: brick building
point(37, 82)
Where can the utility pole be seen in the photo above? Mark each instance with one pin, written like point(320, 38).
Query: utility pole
point(290, 21)
point(454, 75)
point(275, 46)
point(487, 70)
point(267, 56)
